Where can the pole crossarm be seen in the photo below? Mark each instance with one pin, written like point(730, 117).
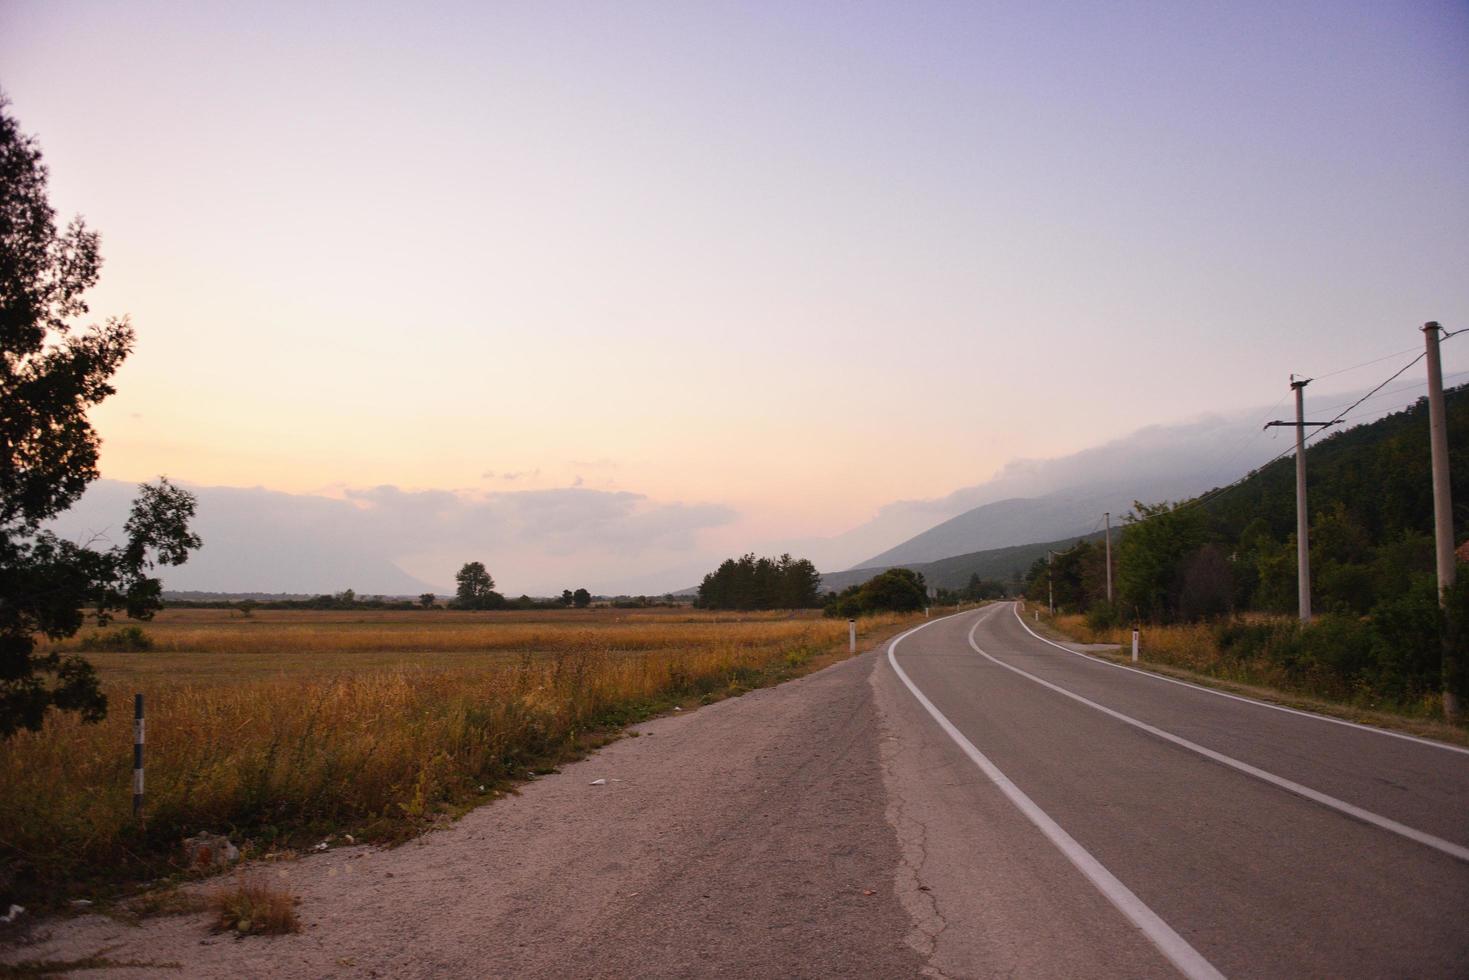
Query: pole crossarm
point(1294, 424)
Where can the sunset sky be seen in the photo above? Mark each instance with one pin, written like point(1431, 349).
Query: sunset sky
point(783, 262)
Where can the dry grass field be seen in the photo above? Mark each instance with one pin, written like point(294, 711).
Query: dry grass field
point(286, 726)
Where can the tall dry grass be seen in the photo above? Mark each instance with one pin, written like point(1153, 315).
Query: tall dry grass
point(1191, 646)
point(282, 756)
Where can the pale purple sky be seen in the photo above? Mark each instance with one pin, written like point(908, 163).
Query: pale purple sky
point(783, 262)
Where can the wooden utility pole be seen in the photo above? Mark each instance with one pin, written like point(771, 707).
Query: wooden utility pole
point(1443, 512)
point(1108, 516)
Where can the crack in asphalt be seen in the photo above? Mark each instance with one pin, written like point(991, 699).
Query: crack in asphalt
point(921, 904)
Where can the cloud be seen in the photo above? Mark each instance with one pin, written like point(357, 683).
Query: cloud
point(386, 539)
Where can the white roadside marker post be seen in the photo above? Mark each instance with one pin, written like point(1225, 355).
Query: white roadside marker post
point(851, 636)
point(1134, 645)
point(138, 755)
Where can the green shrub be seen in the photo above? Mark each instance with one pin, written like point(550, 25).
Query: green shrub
point(124, 639)
point(1339, 648)
point(1407, 642)
point(1101, 616)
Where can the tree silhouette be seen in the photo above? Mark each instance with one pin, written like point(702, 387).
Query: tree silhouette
point(50, 375)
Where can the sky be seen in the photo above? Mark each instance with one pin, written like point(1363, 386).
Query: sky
point(712, 277)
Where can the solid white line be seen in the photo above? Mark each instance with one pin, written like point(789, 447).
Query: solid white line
point(1188, 960)
point(1366, 816)
point(1235, 697)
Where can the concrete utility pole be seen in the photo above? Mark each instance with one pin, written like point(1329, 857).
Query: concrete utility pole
point(1108, 516)
point(1443, 508)
point(1303, 542)
point(1050, 591)
point(1303, 525)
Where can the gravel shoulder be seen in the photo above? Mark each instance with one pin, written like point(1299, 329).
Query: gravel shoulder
point(748, 838)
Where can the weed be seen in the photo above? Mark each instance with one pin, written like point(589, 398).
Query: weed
point(254, 908)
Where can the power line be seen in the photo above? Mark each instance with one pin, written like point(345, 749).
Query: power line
point(1218, 492)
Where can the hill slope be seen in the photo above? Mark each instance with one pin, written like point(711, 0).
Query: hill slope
point(1002, 564)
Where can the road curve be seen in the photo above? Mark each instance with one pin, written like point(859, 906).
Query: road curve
point(966, 801)
point(1221, 836)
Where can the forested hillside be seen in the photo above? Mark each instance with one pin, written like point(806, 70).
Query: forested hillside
point(1233, 550)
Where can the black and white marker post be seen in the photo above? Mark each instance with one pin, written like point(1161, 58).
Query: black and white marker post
point(138, 755)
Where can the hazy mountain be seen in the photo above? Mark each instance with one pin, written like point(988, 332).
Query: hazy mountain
point(1000, 564)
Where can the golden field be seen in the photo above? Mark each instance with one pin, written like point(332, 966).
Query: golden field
point(284, 726)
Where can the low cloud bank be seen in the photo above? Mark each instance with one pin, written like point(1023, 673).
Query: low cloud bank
point(393, 541)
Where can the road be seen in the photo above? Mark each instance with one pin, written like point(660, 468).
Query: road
point(967, 800)
point(1231, 837)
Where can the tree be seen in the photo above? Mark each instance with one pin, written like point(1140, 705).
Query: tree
point(581, 598)
point(1155, 544)
point(761, 583)
point(427, 600)
point(895, 590)
point(567, 597)
point(50, 375)
point(476, 588)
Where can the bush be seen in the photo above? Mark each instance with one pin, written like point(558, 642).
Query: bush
point(124, 639)
point(1407, 643)
point(1273, 641)
point(1339, 648)
point(1101, 616)
point(895, 590)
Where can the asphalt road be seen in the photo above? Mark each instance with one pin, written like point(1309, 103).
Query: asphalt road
point(965, 801)
point(1221, 836)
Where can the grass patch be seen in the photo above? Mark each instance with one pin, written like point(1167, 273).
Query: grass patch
point(97, 961)
point(290, 726)
point(164, 901)
point(253, 907)
point(124, 639)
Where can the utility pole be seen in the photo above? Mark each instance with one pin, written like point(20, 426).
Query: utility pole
point(1303, 540)
point(1050, 590)
point(1108, 516)
point(1443, 510)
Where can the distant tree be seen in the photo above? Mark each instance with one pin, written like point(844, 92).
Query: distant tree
point(247, 607)
point(345, 599)
point(50, 375)
point(581, 598)
point(567, 598)
point(427, 600)
point(895, 590)
point(476, 589)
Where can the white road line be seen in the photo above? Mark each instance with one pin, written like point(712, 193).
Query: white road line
point(1342, 806)
point(1188, 960)
point(1235, 697)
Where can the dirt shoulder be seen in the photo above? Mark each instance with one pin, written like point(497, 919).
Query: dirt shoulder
point(744, 839)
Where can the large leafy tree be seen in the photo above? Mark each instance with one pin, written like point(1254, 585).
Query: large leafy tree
point(476, 589)
point(51, 373)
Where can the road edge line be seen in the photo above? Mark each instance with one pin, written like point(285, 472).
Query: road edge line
point(1189, 961)
point(1280, 782)
point(1239, 697)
